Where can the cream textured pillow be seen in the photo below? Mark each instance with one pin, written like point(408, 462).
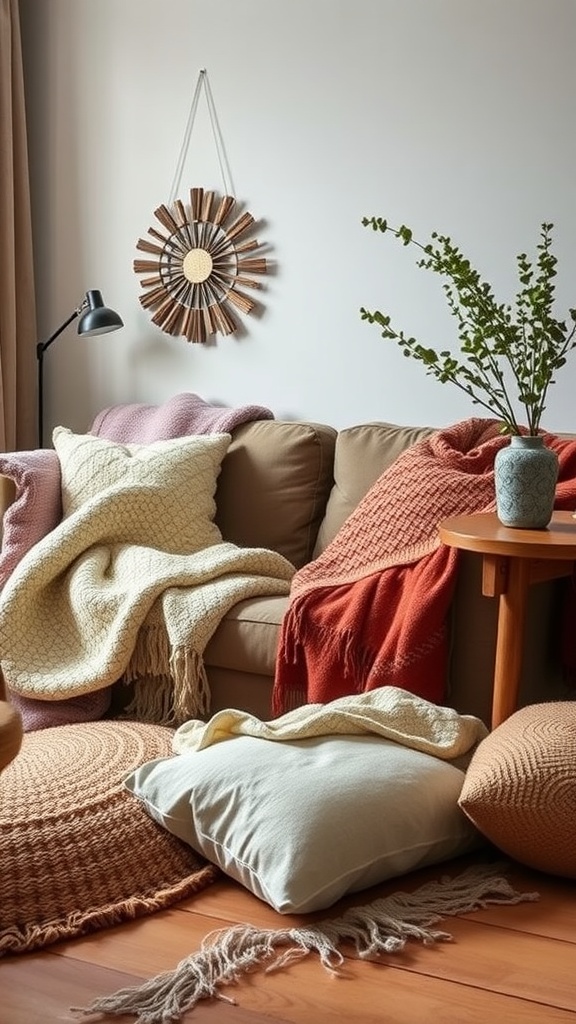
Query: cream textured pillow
point(520, 787)
point(301, 823)
point(181, 472)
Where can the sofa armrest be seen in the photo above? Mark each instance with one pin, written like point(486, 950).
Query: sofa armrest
point(7, 495)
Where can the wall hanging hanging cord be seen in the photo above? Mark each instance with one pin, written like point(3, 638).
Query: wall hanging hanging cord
point(203, 83)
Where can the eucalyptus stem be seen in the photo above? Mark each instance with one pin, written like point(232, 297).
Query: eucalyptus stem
point(526, 337)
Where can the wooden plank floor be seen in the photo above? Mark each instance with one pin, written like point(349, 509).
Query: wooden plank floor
point(506, 964)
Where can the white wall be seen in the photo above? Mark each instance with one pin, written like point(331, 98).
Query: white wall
point(445, 114)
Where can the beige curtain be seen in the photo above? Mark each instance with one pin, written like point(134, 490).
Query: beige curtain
point(17, 304)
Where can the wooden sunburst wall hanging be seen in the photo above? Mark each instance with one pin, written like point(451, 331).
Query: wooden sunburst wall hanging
point(199, 264)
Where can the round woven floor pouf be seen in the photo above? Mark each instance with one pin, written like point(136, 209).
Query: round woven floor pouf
point(520, 787)
point(77, 851)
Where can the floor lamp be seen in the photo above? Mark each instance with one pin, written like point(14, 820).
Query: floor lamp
point(95, 318)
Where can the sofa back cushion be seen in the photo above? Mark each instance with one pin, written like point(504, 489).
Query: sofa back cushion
point(274, 484)
point(362, 454)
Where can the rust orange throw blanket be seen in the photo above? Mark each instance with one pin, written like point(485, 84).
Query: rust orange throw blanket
point(372, 610)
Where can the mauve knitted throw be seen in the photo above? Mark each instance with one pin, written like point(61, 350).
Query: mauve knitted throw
point(372, 609)
point(177, 417)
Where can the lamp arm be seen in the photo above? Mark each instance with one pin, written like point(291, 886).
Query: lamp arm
point(43, 345)
point(40, 350)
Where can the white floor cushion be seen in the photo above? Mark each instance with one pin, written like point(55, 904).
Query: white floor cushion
point(300, 823)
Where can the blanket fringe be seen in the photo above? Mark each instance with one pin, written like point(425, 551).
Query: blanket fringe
point(152, 700)
point(191, 686)
point(383, 926)
point(161, 697)
point(355, 659)
point(151, 653)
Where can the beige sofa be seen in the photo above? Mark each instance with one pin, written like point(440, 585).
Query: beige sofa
point(289, 486)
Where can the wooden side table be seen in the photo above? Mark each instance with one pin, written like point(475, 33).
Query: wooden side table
point(512, 560)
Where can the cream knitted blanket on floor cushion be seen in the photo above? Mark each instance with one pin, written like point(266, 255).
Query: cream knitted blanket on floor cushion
point(387, 711)
point(135, 579)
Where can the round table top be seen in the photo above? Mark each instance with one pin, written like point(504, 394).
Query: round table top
point(484, 532)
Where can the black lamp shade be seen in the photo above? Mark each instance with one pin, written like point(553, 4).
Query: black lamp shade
point(98, 319)
point(94, 318)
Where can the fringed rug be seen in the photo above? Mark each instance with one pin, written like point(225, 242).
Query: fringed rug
point(77, 852)
point(383, 926)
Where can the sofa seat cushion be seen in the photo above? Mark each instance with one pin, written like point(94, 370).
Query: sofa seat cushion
point(247, 637)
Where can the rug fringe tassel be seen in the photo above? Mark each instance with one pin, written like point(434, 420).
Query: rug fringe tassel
point(385, 925)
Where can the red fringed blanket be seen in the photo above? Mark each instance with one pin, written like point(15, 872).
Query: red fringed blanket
point(372, 610)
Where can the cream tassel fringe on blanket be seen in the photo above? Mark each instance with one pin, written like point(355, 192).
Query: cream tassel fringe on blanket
point(383, 926)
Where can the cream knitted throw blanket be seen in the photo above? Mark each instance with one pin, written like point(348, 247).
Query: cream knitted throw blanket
point(387, 711)
point(135, 579)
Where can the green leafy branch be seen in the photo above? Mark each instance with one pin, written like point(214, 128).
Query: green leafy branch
point(527, 338)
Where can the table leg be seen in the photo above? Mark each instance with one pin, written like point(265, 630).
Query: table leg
point(509, 640)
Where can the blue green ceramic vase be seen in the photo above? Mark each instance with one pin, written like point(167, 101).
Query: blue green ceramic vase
point(525, 475)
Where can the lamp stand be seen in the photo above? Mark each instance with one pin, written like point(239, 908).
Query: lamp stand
point(40, 350)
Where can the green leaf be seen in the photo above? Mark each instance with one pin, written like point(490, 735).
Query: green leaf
point(522, 341)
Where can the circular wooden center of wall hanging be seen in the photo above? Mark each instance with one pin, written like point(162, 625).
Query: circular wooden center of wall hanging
point(200, 264)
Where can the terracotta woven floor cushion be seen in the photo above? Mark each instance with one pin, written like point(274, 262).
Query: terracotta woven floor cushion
point(520, 787)
point(77, 851)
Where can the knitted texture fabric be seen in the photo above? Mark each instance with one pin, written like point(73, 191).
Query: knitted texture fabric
point(388, 712)
point(37, 505)
point(180, 415)
point(34, 512)
point(134, 580)
point(78, 853)
point(520, 788)
point(46, 714)
point(372, 609)
point(37, 509)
